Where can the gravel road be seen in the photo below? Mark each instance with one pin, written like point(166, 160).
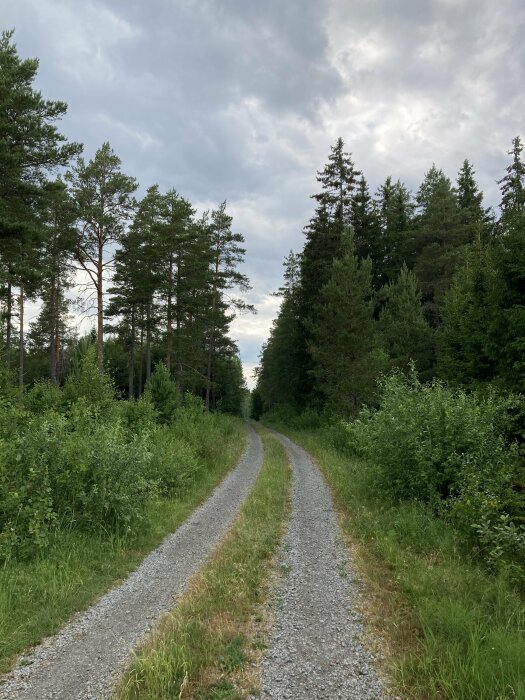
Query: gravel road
point(84, 660)
point(315, 651)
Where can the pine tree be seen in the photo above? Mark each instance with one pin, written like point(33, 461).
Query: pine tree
point(102, 195)
point(227, 254)
point(30, 148)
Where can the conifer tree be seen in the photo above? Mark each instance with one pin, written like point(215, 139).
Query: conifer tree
point(513, 183)
point(477, 220)
point(31, 147)
point(103, 197)
point(227, 254)
point(440, 237)
point(405, 332)
point(366, 231)
point(472, 326)
point(338, 179)
point(345, 343)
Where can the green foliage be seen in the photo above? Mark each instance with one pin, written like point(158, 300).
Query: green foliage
point(345, 343)
point(446, 448)
point(406, 334)
point(77, 459)
point(163, 393)
point(87, 382)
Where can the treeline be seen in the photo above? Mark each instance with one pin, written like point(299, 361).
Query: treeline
point(159, 279)
point(433, 277)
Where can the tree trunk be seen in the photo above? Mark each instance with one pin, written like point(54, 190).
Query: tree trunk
point(53, 332)
point(148, 342)
point(9, 315)
point(131, 385)
point(211, 348)
point(141, 366)
point(169, 332)
point(100, 311)
point(21, 346)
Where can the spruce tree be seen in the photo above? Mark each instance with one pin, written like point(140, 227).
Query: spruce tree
point(366, 231)
point(440, 237)
point(405, 332)
point(345, 343)
point(469, 340)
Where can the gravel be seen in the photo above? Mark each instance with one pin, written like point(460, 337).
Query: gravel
point(316, 650)
point(85, 659)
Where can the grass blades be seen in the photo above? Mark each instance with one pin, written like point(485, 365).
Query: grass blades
point(206, 646)
point(38, 596)
point(451, 630)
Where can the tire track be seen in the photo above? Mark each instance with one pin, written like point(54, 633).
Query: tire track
point(316, 652)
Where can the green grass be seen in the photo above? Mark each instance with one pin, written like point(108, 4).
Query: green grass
point(206, 646)
point(38, 596)
point(450, 629)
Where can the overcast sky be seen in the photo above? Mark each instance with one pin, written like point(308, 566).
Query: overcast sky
point(241, 100)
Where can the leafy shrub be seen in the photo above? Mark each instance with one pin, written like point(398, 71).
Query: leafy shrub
point(174, 463)
point(42, 397)
point(77, 472)
point(445, 448)
point(86, 381)
point(426, 436)
point(138, 415)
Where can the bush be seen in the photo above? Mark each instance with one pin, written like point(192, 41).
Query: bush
point(86, 381)
point(74, 471)
point(445, 448)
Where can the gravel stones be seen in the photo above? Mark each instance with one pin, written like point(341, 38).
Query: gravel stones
point(316, 652)
point(85, 659)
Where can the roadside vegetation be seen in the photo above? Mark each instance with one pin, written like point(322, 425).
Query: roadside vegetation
point(89, 484)
point(205, 648)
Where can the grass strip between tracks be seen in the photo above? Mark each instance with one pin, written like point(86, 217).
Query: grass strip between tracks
point(449, 629)
point(37, 597)
point(207, 646)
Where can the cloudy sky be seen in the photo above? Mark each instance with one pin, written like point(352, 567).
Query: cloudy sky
point(241, 99)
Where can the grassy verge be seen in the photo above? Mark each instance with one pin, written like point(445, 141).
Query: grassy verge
point(450, 630)
point(38, 596)
point(203, 648)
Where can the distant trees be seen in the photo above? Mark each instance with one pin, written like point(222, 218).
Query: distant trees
point(387, 280)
